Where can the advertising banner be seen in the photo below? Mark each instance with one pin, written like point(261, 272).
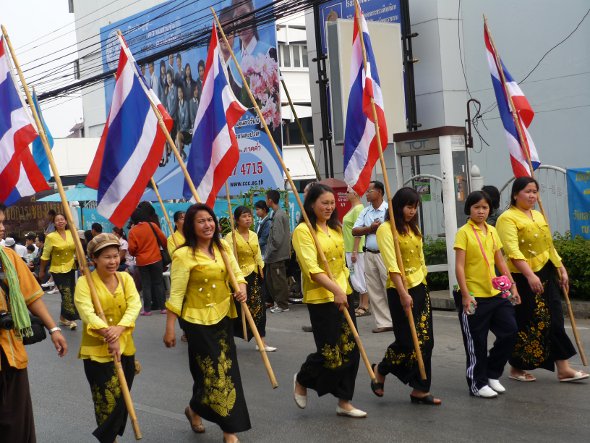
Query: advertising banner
point(177, 80)
point(578, 199)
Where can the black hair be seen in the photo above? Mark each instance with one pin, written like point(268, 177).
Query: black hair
point(178, 56)
point(241, 210)
point(312, 195)
point(30, 236)
point(97, 227)
point(261, 204)
point(88, 235)
point(494, 194)
point(52, 213)
point(120, 232)
point(519, 184)
point(475, 197)
point(201, 63)
point(138, 216)
point(402, 198)
point(188, 229)
point(176, 217)
point(31, 248)
point(378, 185)
point(273, 195)
point(41, 236)
point(2, 207)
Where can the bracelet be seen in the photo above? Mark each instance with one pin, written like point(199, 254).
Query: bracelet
point(52, 330)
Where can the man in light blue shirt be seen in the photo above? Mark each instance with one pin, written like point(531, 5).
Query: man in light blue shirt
point(375, 272)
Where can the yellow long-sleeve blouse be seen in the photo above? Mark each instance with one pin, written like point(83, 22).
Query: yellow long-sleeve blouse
point(200, 291)
point(171, 246)
point(121, 308)
point(526, 239)
point(61, 252)
point(332, 243)
point(249, 256)
point(410, 246)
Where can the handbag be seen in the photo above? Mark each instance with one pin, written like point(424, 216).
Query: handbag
point(37, 325)
point(166, 260)
point(501, 283)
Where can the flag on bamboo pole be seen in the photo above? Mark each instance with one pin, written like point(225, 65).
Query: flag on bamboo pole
point(38, 150)
point(17, 129)
point(516, 147)
point(360, 139)
point(214, 148)
point(131, 145)
point(30, 180)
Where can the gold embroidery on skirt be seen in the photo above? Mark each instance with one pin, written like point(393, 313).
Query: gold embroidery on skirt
point(220, 392)
point(336, 356)
point(531, 346)
point(105, 399)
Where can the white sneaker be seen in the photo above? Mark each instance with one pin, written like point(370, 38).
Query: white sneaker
point(496, 386)
point(53, 291)
point(278, 310)
point(486, 392)
point(267, 348)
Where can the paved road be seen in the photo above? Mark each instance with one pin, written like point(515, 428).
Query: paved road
point(539, 412)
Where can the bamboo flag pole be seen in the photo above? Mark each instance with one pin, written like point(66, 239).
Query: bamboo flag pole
point(299, 202)
point(164, 211)
point(303, 137)
point(79, 250)
point(235, 248)
point(398, 254)
point(525, 150)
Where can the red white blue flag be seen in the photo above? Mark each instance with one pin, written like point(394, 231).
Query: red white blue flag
point(360, 139)
point(17, 131)
point(131, 145)
point(516, 147)
point(214, 149)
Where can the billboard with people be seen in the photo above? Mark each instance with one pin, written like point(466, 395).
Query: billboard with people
point(177, 80)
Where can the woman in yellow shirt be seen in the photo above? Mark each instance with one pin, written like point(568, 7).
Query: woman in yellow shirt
point(200, 294)
point(250, 261)
point(482, 306)
point(102, 341)
point(535, 265)
point(332, 368)
point(400, 357)
point(60, 250)
point(176, 239)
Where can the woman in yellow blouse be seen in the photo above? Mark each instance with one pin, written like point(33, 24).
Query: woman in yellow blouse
point(102, 341)
point(200, 294)
point(250, 261)
point(60, 250)
point(176, 239)
point(332, 368)
point(540, 277)
point(400, 357)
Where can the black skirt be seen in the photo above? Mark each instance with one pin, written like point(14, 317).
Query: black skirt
point(217, 390)
point(109, 405)
point(400, 356)
point(66, 284)
point(256, 305)
point(541, 338)
point(333, 367)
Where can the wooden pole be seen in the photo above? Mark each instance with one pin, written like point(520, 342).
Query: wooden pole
point(166, 133)
point(164, 211)
point(299, 202)
point(525, 149)
point(303, 137)
point(79, 250)
point(398, 254)
point(235, 248)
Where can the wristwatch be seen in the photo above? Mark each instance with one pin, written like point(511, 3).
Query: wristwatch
point(52, 330)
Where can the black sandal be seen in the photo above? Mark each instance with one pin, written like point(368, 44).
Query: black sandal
point(426, 400)
point(375, 385)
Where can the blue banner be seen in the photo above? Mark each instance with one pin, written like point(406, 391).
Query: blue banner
point(177, 80)
point(578, 198)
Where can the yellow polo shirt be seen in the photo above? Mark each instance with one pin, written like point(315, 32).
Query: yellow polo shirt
point(121, 308)
point(527, 239)
point(477, 273)
point(410, 246)
point(61, 252)
point(332, 244)
point(249, 256)
point(200, 292)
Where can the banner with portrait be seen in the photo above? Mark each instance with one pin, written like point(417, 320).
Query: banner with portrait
point(177, 80)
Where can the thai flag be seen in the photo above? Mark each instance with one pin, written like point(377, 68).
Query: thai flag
point(30, 180)
point(16, 128)
point(131, 145)
point(360, 139)
point(516, 147)
point(214, 148)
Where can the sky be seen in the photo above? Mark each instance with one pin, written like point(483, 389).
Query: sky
point(28, 33)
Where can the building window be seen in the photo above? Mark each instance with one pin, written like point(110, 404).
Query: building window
point(292, 134)
point(71, 6)
point(77, 69)
point(293, 56)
